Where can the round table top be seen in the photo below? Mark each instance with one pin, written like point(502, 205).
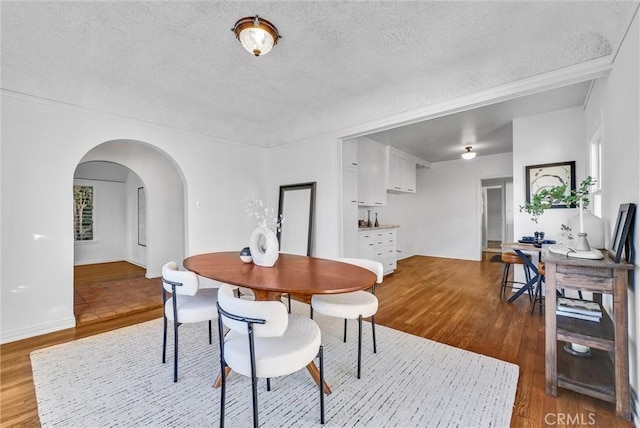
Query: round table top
point(291, 274)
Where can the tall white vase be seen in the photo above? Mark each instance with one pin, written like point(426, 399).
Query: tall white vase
point(593, 227)
point(263, 244)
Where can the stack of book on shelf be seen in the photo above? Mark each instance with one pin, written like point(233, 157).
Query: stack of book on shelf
point(581, 309)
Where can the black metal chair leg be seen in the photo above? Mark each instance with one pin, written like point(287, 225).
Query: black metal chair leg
point(210, 341)
point(373, 330)
point(223, 377)
point(268, 384)
point(310, 311)
point(175, 351)
point(223, 390)
point(359, 343)
point(345, 331)
point(505, 277)
point(289, 301)
point(164, 341)
point(254, 392)
point(321, 353)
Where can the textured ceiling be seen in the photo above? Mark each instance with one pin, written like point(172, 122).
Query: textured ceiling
point(338, 63)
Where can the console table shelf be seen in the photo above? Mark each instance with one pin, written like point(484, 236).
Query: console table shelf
point(605, 374)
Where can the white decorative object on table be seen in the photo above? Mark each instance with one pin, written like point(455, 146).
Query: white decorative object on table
point(593, 226)
point(264, 246)
point(263, 242)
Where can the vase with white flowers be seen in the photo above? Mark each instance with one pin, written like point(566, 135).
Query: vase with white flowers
point(263, 242)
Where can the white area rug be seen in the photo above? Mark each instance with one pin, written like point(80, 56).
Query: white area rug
point(118, 379)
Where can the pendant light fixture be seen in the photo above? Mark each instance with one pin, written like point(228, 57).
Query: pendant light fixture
point(468, 154)
point(257, 35)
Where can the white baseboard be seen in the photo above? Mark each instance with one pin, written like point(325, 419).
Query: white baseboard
point(135, 262)
point(96, 261)
point(38, 330)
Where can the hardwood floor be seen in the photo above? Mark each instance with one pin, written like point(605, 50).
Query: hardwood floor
point(451, 301)
point(110, 290)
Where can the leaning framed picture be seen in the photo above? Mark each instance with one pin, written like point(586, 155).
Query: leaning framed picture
point(548, 175)
point(622, 237)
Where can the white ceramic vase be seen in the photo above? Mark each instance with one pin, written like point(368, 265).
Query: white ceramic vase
point(593, 227)
point(263, 244)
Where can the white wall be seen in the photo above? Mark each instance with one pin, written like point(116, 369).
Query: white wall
point(546, 138)
point(448, 205)
point(109, 224)
point(43, 142)
point(614, 105)
point(313, 160)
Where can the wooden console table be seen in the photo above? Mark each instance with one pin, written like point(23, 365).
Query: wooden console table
point(604, 375)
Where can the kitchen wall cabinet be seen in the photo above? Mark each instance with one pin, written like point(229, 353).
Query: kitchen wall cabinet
point(372, 174)
point(350, 153)
point(401, 171)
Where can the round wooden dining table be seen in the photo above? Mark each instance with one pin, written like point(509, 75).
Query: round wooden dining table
point(298, 275)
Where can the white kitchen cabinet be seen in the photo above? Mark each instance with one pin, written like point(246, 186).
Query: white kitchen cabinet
point(401, 171)
point(380, 245)
point(350, 153)
point(350, 211)
point(372, 174)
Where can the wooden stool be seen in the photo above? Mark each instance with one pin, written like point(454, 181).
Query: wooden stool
point(509, 259)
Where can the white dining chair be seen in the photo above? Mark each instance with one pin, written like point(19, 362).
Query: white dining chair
point(264, 341)
point(353, 305)
point(188, 304)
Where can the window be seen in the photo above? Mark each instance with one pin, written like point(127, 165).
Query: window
point(595, 171)
point(83, 212)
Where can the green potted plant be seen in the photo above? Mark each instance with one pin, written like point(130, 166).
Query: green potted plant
point(546, 198)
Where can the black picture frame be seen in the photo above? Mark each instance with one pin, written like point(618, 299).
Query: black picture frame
point(622, 236)
point(548, 175)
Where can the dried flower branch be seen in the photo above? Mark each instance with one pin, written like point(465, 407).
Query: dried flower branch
point(264, 215)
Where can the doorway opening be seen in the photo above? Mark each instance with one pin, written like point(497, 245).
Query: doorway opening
point(124, 235)
point(497, 213)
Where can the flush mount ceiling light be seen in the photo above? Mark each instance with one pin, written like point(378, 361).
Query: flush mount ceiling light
point(468, 154)
point(257, 35)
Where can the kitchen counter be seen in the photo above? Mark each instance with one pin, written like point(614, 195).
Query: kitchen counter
point(382, 226)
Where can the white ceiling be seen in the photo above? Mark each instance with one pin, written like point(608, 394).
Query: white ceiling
point(339, 64)
point(488, 130)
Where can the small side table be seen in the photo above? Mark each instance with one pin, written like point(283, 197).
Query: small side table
point(604, 375)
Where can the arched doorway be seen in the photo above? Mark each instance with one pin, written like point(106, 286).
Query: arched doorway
point(132, 225)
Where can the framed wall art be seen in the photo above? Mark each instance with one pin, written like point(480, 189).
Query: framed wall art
point(622, 237)
point(142, 217)
point(546, 176)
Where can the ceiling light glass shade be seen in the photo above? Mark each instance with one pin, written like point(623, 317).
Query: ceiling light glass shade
point(256, 35)
point(468, 154)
